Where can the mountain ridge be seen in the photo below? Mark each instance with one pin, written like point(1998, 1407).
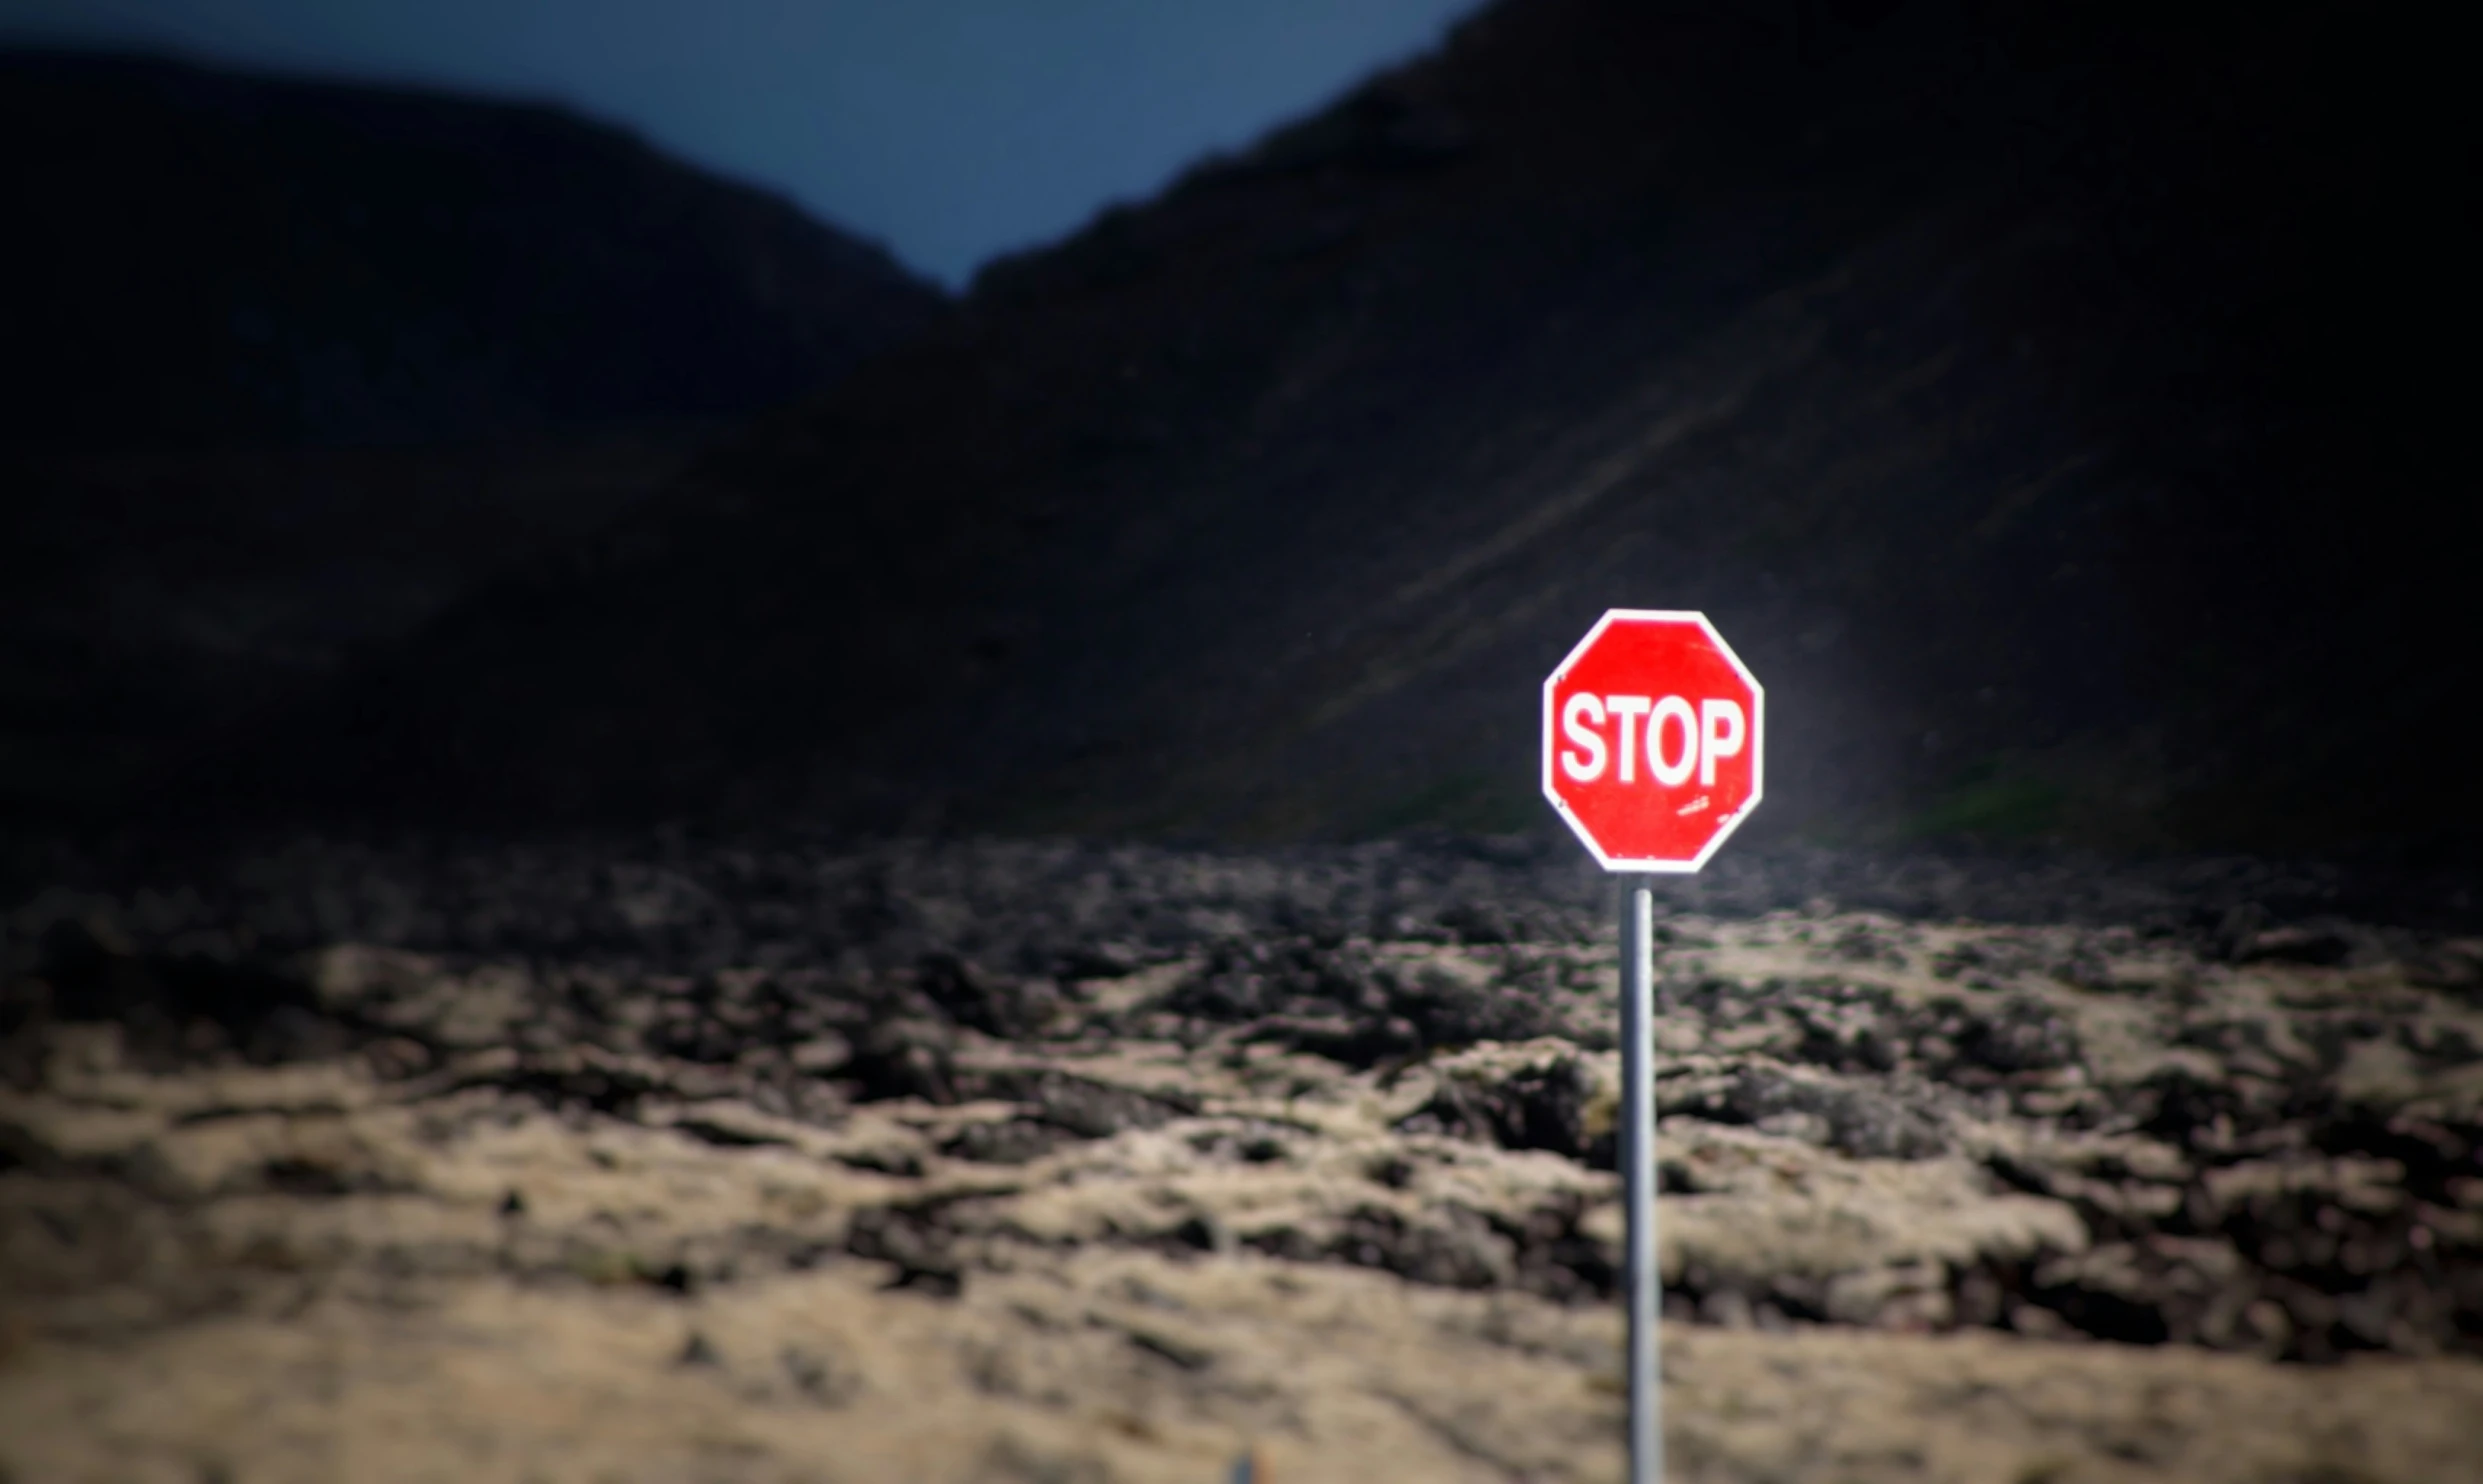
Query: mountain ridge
point(390, 264)
point(1981, 377)
point(294, 363)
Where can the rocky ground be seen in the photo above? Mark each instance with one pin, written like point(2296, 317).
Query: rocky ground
point(1064, 1163)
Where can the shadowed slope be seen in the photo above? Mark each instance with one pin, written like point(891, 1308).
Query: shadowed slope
point(218, 259)
point(292, 364)
point(1995, 384)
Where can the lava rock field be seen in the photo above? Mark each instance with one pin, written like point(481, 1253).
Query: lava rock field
point(1070, 1162)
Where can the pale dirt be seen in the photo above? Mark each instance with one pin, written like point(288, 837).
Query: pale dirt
point(477, 1241)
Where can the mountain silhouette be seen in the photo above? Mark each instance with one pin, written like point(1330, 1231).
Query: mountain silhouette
point(292, 364)
point(2019, 390)
point(206, 258)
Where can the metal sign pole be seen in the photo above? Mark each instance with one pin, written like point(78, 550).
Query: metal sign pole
point(1644, 1283)
point(1651, 749)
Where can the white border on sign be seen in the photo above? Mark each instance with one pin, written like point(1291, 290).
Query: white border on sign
point(1758, 733)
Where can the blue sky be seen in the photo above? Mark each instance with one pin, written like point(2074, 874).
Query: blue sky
point(949, 130)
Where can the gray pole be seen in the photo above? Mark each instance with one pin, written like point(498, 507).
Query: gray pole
point(1645, 1284)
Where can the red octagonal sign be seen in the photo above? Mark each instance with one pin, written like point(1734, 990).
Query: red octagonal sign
point(1651, 740)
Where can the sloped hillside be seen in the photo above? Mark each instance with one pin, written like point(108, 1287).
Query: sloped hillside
point(2018, 391)
point(203, 258)
point(291, 365)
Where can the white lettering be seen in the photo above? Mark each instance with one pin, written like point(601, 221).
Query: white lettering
point(1723, 731)
point(1629, 709)
point(1579, 715)
point(1672, 774)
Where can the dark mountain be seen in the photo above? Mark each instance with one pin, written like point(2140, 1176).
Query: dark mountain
point(291, 365)
point(200, 258)
point(2026, 393)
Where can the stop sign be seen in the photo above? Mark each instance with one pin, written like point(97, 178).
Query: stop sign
point(1651, 740)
